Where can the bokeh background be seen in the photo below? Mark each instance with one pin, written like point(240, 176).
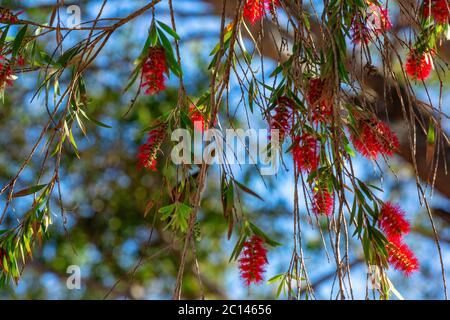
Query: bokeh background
point(104, 230)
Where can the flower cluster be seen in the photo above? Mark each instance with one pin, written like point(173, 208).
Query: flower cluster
point(323, 201)
point(153, 71)
point(254, 10)
point(197, 118)
point(2, 254)
point(419, 64)
point(392, 221)
point(6, 16)
point(148, 152)
point(253, 260)
point(282, 119)
point(375, 23)
point(321, 107)
point(374, 138)
point(305, 152)
point(438, 9)
point(401, 256)
point(7, 75)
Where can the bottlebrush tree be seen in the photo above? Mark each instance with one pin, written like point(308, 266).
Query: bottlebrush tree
point(341, 68)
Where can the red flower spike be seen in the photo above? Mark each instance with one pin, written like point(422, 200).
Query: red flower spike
point(322, 201)
point(376, 22)
point(388, 141)
point(314, 93)
point(153, 71)
point(254, 10)
point(392, 220)
point(6, 16)
point(148, 152)
point(21, 61)
point(197, 119)
point(374, 138)
point(321, 108)
point(401, 257)
point(7, 75)
point(253, 260)
point(419, 65)
point(283, 115)
point(305, 153)
point(438, 9)
point(2, 254)
point(378, 18)
point(360, 32)
point(272, 4)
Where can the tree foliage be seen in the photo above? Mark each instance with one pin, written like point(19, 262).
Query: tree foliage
point(95, 154)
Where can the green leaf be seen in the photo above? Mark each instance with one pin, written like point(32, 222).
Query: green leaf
point(251, 96)
point(238, 248)
point(257, 231)
point(73, 143)
point(171, 61)
point(184, 209)
point(349, 150)
point(276, 278)
point(227, 196)
point(153, 36)
point(3, 38)
point(28, 191)
point(97, 122)
point(46, 57)
point(26, 242)
point(167, 211)
point(5, 264)
point(168, 29)
point(204, 98)
point(67, 56)
point(247, 190)
point(276, 71)
point(431, 134)
point(182, 215)
point(18, 41)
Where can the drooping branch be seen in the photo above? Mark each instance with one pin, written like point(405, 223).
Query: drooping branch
point(387, 97)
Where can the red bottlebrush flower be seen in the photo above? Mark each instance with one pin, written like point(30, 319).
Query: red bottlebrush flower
point(197, 119)
point(401, 257)
point(360, 32)
point(272, 4)
point(314, 93)
point(438, 9)
point(321, 108)
point(376, 22)
point(283, 116)
point(7, 75)
point(375, 138)
point(378, 19)
point(419, 65)
point(153, 71)
point(305, 153)
point(6, 16)
point(322, 201)
point(252, 261)
point(392, 220)
point(2, 254)
point(254, 10)
point(388, 141)
point(148, 152)
point(21, 61)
